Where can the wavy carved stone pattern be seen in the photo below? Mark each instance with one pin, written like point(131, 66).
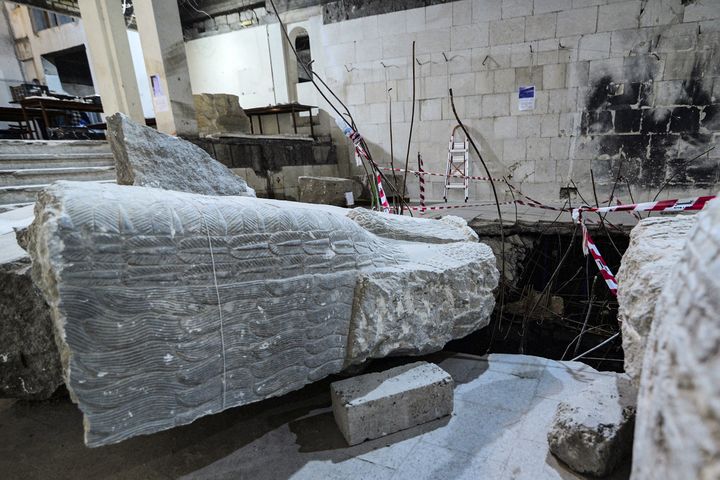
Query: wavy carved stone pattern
point(170, 306)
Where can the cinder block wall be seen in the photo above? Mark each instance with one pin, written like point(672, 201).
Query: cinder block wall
point(623, 87)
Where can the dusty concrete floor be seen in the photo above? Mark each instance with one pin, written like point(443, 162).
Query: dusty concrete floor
point(503, 406)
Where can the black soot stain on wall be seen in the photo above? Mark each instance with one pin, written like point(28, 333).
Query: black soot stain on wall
point(650, 135)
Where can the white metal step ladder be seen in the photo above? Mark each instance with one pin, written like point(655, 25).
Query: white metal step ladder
point(458, 165)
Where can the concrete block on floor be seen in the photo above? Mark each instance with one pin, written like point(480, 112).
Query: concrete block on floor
point(378, 404)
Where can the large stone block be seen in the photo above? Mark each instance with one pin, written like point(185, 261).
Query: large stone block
point(656, 244)
point(219, 113)
point(592, 431)
point(327, 190)
point(678, 415)
point(378, 404)
point(169, 306)
point(148, 158)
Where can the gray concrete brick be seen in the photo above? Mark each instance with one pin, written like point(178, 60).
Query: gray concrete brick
point(438, 16)
point(577, 74)
point(496, 105)
point(563, 100)
point(706, 10)
point(538, 149)
point(588, 3)
point(505, 127)
point(340, 54)
point(661, 13)
point(516, 8)
point(540, 27)
point(473, 106)
point(619, 16)
point(545, 6)
point(577, 21)
point(484, 82)
point(549, 125)
point(529, 76)
point(377, 404)
point(486, 10)
point(559, 148)
point(504, 80)
point(369, 50)
point(375, 92)
point(507, 31)
point(459, 61)
point(388, 24)
point(595, 46)
point(355, 94)
point(415, 20)
point(461, 12)
point(463, 84)
point(469, 36)
point(554, 76)
point(433, 41)
point(521, 54)
point(434, 87)
point(514, 150)
point(679, 66)
point(399, 45)
point(529, 126)
point(431, 109)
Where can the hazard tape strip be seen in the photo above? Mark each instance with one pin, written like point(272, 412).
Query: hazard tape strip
point(449, 207)
point(675, 205)
point(588, 244)
point(381, 193)
point(435, 174)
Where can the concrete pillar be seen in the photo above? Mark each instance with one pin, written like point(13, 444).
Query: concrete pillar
point(163, 47)
point(109, 50)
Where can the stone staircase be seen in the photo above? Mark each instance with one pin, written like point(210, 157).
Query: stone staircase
point(28, 166)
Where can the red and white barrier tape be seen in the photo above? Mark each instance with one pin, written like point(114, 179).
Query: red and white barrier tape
point(675, 205)
point(588, 245)
point(421, 178)
point(381, 193)
point(450, 207)
point(417, 172)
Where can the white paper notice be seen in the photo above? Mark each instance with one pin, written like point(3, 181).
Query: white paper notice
point(526, 98)
point(160, 100)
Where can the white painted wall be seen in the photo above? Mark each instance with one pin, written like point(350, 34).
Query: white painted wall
point(143, 79)
point(237, 62)
point(10, 73)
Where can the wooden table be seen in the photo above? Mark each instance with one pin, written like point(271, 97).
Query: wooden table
point(277, 110)
point(52, 107)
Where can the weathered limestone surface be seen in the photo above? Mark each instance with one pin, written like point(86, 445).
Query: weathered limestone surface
point(170, 306)
point(147, 158)
point(446, 230)
point(219, 113)
point(327, 190)
point(678, 421)
point(592, 431)
point(378, 404)
point(655, 247)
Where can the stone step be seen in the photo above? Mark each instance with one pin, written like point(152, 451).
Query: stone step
point(25, 147)
point(27, 193)
point(34, 176)
point(18, 161)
